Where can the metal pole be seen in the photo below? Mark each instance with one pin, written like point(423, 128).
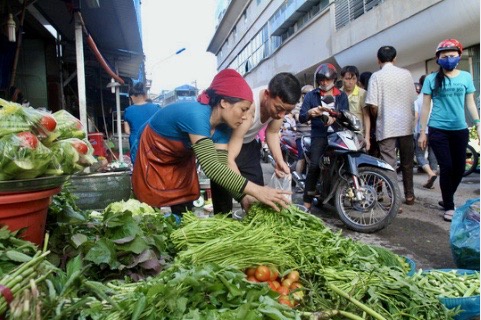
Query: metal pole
point(119, 125)
point(79, 50)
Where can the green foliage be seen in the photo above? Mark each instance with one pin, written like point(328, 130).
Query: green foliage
point(128, 238)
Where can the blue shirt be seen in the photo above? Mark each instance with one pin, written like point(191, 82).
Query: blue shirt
point(136, 116)
point(449, 102)
point(313, 100)
point(177, 120)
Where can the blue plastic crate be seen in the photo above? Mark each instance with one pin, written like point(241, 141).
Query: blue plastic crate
point(470, 306)
point(412, 266)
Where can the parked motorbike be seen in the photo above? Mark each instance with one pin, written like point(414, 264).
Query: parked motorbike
point(290, 156)
point(472, 157)
point(365, 194)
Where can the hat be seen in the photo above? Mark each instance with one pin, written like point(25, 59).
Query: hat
point(228, 83)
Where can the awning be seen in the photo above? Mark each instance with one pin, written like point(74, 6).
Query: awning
point(114, 26)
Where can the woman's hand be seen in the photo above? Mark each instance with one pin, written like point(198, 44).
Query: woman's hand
point(422, 141)
point(274, 198)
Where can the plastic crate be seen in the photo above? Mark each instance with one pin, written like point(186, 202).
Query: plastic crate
point(412, 266)
point(470, 306)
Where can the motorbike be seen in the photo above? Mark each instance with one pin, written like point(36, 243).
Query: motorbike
point(472, 157)
point(363, 188)
point(290, 156)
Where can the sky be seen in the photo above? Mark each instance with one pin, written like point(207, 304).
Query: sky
point(170, 25)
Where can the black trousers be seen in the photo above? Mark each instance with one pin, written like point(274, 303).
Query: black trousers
point(449, 147)
point(318, 147)
point(180, 208)
point(249, 163)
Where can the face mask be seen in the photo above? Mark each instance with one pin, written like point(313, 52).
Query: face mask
point(326, 88)
point(448, 63)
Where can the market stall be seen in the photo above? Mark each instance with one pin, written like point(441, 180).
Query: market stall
point(132, 262)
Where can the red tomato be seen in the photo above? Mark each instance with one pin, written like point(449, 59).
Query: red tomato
point(263, 273)
point(274, 273)
point(274, 285)
point(287, 282)
point(286, 301)
point(78, 125)
point(48, 122)
point(28, 140)
point(293, 275)
point(295, 285)
point(251, 271)
point(283, 291)
point(252, 279)
point(80, 146)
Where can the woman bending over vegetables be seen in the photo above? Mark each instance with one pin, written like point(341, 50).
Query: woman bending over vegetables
point(165, 173)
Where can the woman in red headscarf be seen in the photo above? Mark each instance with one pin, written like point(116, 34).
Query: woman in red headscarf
point(165, 174)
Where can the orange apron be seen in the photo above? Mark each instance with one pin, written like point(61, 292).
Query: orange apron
point(164, 171)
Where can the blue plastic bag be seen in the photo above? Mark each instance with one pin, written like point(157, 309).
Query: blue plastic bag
point(464, 235)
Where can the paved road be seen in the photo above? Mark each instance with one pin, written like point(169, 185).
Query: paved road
point(419, 233)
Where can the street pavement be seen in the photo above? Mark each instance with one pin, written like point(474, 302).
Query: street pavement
point(419, 232)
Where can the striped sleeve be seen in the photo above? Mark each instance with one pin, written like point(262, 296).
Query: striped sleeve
point(216, 169)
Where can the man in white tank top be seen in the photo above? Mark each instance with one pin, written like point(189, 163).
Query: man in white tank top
point(271, 104)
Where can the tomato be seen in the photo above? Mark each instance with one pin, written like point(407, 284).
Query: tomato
point(274, 273)
point(263, 273)
point(80, 146)
point(274, 285)
point(250, 271)
point(78, 125)
point(286, 301)
point(28, 140)
point(283, 291)
point(293, 275)
point(295, 285)
point(287, 282)
point(48, 122)
point(252, 279)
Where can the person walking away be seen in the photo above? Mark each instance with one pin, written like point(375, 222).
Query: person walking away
point(430, 165)
point(271, 104)
point(303, 129)
point(165, 169)
point(325, 78)
point(136, 115)
point(451, 91)
point(390, 96)
point(355, 94)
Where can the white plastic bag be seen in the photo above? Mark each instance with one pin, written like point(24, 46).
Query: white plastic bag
point(282, 183)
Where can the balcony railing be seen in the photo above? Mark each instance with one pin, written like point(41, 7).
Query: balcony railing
point(349, 10)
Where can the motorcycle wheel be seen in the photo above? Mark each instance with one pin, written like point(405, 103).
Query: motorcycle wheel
point(382, 199)
point(471, 161)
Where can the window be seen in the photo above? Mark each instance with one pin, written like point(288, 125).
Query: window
point(349, 10)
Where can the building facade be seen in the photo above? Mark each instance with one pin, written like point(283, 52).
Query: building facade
point(260, 38)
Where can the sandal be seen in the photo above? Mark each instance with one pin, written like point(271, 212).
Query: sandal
point(410, 201)
point(448, 215)
point(430, 183)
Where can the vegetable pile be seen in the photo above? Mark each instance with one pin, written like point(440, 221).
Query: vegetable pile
point(36, 143)
point(270, 265)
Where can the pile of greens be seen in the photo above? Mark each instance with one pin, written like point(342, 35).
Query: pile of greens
point(132, 262)
point(126, 239)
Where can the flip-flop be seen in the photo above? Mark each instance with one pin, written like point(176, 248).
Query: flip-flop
point(429, 184)
point(448, 215)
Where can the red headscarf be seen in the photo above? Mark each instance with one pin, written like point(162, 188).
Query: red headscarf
point(228, 83)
